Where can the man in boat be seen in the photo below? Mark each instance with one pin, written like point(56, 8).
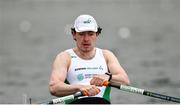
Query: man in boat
point(86, 67)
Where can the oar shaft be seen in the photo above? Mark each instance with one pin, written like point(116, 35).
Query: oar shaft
point(160, 96)
point(146, 93)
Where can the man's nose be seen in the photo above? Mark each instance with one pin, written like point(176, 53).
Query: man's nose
point(86, 36)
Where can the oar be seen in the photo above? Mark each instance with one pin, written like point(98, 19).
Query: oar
point(63, 100)
point(143, 92)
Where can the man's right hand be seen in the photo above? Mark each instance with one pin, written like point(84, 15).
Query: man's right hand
point(89, 90)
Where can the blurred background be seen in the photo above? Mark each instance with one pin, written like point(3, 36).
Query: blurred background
point(143, 34)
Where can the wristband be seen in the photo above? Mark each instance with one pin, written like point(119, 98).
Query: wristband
point(110, 76)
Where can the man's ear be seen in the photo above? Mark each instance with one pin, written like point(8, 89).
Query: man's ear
point(74, 36)
point(73, 32)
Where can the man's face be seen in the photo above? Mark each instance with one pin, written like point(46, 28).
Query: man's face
point(85, 41)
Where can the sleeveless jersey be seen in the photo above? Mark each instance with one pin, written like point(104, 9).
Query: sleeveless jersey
point(81, 71)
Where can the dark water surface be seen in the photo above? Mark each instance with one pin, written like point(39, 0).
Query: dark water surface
point(144, 35)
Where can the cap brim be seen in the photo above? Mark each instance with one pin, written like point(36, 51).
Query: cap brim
point(86, 29)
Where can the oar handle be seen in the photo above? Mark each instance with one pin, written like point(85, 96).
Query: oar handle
point(107, 83)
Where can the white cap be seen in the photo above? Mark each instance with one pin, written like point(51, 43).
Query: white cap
point(85, 23)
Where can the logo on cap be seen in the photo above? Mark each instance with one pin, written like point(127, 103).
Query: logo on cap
point(87, 21)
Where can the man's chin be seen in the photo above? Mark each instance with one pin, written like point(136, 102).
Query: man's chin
point(87, 49)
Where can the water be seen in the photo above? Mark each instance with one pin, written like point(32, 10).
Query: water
point(33, 32)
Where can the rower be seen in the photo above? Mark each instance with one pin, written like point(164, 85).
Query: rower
point(85, 67)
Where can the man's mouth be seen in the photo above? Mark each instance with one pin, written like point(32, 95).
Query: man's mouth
point(86, 45)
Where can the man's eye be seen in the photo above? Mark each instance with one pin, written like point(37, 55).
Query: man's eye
point(81, 34)
point(91, 33)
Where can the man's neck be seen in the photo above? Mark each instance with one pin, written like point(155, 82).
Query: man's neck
point(85, 54)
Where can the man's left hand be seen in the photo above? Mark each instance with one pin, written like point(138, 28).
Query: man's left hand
point(98, 79)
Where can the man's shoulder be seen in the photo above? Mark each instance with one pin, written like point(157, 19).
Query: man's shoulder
point(63, 54)
point(106, 51)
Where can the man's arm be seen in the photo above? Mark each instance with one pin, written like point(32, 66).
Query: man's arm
point(119, 75)
point(57, 87)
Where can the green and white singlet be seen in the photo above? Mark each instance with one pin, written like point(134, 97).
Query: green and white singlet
point(81, 71)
